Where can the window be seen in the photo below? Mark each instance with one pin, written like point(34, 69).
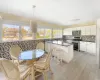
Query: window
point(57, 33)
point(40, 33)
point(47, 33)
point(26, 33)
point(10, 32)
point(43, 33)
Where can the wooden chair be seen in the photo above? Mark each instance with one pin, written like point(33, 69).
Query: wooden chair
point(15, 51)
point(43, 66)
point(12, 72)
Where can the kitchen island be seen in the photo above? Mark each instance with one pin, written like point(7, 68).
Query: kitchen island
point(65, 51)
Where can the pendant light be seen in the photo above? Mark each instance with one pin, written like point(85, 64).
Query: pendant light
point(33, 23)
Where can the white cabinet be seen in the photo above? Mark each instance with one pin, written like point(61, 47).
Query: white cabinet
point(82, 46)
point(68, 31)
point(89, 47)
point(88, 30)
point(82, 30)
point(78, 28)
point(93, 30)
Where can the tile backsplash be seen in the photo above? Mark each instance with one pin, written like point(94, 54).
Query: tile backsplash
point(90, 38)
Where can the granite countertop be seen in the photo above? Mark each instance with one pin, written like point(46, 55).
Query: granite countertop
point(61, 43)
point(89, 41)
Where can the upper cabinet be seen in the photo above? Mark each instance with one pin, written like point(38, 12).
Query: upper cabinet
point(93, 30)
point(85, 30)
point(68, 31)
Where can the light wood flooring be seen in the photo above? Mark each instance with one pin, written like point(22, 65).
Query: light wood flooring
point(82, 67)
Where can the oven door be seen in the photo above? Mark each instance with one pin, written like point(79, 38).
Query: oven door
point(75, 46)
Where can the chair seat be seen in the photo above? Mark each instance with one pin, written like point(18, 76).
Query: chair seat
point(21, 61)
point(24, 73)
point(39, 65)
point(22, 68)
point(43, 59)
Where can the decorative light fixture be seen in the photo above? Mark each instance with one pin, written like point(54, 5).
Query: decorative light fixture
point(33, 24)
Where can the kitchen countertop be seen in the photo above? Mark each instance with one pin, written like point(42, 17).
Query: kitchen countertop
point(60, 43)
point(89, 41)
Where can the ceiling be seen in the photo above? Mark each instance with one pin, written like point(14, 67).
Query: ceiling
point(62, 12)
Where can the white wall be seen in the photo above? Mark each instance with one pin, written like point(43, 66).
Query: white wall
point(57, 11)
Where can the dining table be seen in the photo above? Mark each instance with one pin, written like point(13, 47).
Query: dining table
point(30, 56)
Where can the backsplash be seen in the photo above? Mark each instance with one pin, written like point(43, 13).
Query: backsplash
point(90, 38)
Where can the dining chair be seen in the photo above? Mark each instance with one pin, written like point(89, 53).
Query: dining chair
point(15, 51)
point(12, 72)
point(43, 66)
point(57, 54)
point(40, 45)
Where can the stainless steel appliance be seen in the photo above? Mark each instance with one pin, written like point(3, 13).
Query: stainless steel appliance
point(76, 33)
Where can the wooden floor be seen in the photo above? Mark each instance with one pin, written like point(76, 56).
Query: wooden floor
point(82, 67)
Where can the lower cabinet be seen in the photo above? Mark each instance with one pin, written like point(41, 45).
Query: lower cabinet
point(89, 47)
point(82, 46)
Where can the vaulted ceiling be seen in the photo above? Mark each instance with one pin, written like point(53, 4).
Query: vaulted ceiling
point(63, 12)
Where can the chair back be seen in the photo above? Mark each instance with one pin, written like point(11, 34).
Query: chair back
point(10, 70)
point(15, 51)
point(40, 45)
point(48, 58)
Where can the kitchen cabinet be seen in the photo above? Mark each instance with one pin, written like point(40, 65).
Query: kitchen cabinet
point(89, 47)
point(88, 30)
point(78, 28)
point(85, 30)
point(82, 30)
point(82, 46)
point(68, 31)
point(93, 30)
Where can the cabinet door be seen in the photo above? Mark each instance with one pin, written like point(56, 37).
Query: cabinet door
point(93, 30)
point(94, 48)
point(78, 28)
point(91, 48)
point(88, 30)
point(82, 46)
point(82, 30)
point(68, 31)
